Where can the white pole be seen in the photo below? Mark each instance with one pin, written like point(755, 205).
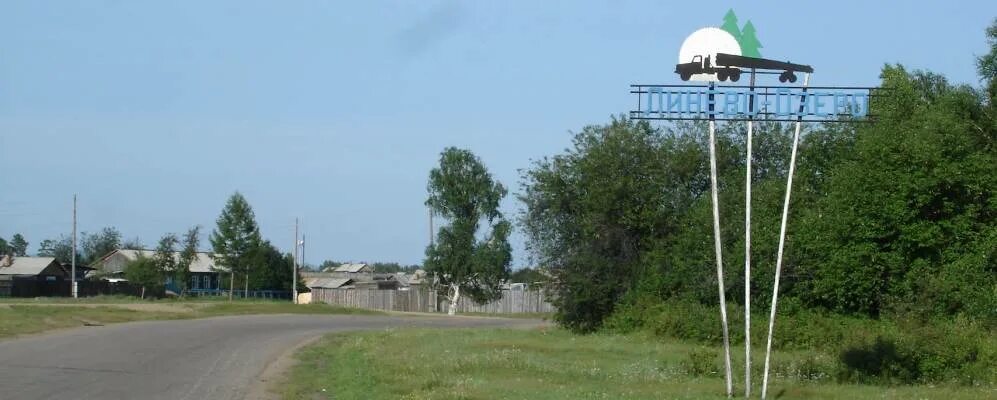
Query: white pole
point(72, 277)
point(782, 236)
point(747, 250)
point(294, 265)
point(720, 268)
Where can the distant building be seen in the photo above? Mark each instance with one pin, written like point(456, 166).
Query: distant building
point(40, 268)
point(204, 275)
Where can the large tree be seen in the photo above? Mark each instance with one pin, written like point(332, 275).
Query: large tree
point(236, 239)
point(4, 247)
point(191, 241)
point(144, 272)
point(463, 193)
point(96, 245)
point(18, 245)
point(61, 249)
point(165, 256)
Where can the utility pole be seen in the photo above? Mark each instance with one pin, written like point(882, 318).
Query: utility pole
point(72, 278)
point(431, 233)
point(294, 265)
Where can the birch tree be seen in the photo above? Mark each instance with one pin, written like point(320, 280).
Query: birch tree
point(464, 261)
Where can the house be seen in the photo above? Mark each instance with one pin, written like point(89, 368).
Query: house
point(351, 269)
point(36, 268)
point(204, 275)
point(328, 283)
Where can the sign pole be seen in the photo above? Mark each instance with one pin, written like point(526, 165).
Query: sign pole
point(747, 244)
point(717, 245)
point(782, 233)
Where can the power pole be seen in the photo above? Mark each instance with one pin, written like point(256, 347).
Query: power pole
point(72, 278)
point(431, 233)
point(294, 265)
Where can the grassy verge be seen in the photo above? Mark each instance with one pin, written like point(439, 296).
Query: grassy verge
point(26, 318)
point(514, 364)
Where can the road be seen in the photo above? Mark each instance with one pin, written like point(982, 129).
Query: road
point(213, 358)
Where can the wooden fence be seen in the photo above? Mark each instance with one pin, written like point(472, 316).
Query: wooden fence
point(512, 301)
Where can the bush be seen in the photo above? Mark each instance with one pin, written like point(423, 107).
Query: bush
point(700, 362)
point(854, 349)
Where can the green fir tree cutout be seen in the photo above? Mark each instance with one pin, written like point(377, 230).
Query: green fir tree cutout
point(730, 25)
point(749, 42)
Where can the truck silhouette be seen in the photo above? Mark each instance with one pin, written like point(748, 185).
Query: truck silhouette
point(728, 66)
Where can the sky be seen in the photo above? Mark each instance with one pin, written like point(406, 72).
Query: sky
point(334, 112)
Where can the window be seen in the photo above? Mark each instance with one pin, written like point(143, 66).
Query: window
point(207, 281)
point(195, 282)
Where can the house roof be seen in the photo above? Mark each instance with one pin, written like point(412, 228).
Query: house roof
point(327, 283)
point(202, 263)
point(27, 266)
point(351, 268)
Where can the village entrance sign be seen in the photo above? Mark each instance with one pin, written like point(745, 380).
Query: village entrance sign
point(713, 56)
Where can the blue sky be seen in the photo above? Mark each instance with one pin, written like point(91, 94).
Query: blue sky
point(334, 112)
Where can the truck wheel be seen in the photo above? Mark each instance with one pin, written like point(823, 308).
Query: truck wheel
point(782, 78)
point(734, 76)
point(722, 76)
point(685, 76)
point(792, 78)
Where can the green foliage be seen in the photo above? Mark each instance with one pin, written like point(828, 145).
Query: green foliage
point(96, 245)
point(236, 239)
point(274, 269)
point(907, 220)
point(987, 64)
point(145, 272)
point(61, 249)
point(18, 245)
point(701, 362)
point(527, 275)
point(191, 241)
point(864, 350)
point(5, 248)
point(462, 191)
point(165, 255)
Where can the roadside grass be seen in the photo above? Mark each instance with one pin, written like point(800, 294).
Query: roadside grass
point(555, 364)
point(27, 318)
point(540, 316)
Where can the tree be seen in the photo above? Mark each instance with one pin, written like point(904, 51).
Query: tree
point(165, 256)
point(96, 245)
point(730, 25)
point(236, 239)
point(145, 272)
point(61, 249)
point(749, 42)
point(462, 191)
point(191, 241)
point(527, 275)
point(593, 212)
point(18, 245)
point(274, 268)
point(134, 244)
point(4, 248)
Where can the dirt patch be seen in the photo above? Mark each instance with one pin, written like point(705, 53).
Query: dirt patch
point(264, 387)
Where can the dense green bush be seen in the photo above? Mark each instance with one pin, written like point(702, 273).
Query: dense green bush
point(881, 350)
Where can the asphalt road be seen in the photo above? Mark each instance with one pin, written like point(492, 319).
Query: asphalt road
point(214, 358)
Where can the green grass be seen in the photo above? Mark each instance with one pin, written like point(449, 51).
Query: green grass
point(555, 364)
point(21, 318)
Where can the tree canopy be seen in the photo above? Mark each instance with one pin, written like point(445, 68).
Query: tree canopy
point(236, 238)
point(462, 191)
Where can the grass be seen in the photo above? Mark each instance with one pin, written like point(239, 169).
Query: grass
point(21, 318)
point(555, 364)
